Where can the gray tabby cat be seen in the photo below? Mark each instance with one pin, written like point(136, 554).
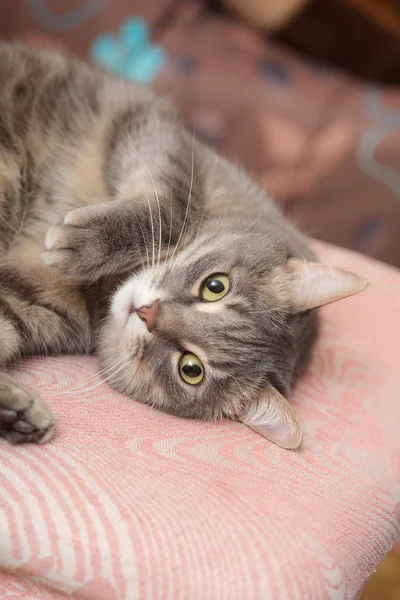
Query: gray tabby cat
point(121, 234)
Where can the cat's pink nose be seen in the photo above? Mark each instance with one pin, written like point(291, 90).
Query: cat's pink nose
point(149, 314)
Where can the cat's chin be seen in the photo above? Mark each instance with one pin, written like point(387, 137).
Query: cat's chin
point(116, 342)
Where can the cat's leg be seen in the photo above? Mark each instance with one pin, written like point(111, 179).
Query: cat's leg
point(24, 416)
point(34, 320)
point(158, 201)
point(118, 236)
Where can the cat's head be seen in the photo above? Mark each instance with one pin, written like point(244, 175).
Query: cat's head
point(221, 329)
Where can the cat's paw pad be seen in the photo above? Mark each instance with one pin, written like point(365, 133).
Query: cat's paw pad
point(24, 417)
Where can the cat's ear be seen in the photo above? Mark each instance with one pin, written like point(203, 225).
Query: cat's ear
point(311, 285)
point(274, 418)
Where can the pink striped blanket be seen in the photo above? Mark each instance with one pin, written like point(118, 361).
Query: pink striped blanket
point(128, 503)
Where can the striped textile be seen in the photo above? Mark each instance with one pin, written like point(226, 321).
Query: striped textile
point(128, 503)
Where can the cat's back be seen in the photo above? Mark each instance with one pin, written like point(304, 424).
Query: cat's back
point(18, 61)
point(42, 91)
point(50, 107)
point(57, 90)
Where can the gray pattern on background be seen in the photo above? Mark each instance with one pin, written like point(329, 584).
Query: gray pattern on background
point(69, 20)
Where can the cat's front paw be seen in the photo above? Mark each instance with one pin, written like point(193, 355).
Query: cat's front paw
point(74, 247)
point(89, 243)
point(24, 416)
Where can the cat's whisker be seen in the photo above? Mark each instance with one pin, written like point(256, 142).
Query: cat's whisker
point(120, 368)
point(145, 244)
point(170, 225)
point(191, 179)
point(200, 224)
point(186, 219)
point(97, 377)
point(134, 150)
point(159, 224)
point(113, 365)
point(252, 224)
point(107, 377)
point(242, 390)
point(266, 311)
point(152, 229)
point(115, 382)
point(160, 234)
point(158, 203)
point(137, 368)
point(159, 215)
point(141, 257)
point(123, 375)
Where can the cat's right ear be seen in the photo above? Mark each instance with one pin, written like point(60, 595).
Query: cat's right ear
point(311, 285)
point(274, 418)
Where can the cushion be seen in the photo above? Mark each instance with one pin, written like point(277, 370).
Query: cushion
point(126, 502)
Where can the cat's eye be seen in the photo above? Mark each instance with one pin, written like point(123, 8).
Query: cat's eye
point(215, 287)
point(191, 369)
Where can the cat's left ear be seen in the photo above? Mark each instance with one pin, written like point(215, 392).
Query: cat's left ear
point(274, 418)
point(311, 285)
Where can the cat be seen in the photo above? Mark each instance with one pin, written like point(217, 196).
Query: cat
point(121, 234)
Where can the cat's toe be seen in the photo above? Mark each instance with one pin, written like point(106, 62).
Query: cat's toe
point(85, 216)
point(57, 238)
point(31, 425)
point(24, 417)
point(60, 259)
point(66, 249)
point(64, 237)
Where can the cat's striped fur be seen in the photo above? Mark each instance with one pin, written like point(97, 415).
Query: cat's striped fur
point(98, 180)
